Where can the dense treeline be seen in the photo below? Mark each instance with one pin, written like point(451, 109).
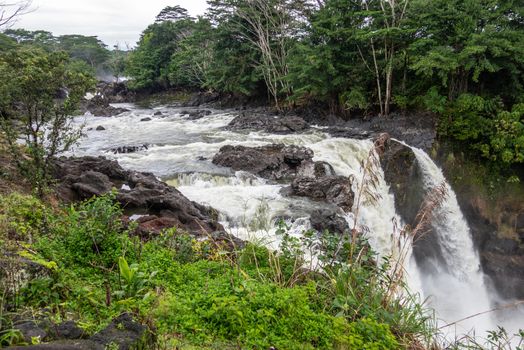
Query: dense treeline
point(463, 60)
point(87, 53)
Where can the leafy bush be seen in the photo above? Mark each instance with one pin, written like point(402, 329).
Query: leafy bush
point(496, 134)
point(21, 216)
point(89, 234)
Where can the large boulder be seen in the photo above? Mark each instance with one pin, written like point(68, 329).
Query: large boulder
point(326, 219)
point(272, 124)
point(99, 107)
point(82, 178)
point(331, 189)
point(275, 162)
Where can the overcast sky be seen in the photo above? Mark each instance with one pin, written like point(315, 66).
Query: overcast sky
point(113, 21)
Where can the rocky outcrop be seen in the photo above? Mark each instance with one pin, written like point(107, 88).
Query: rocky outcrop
point(143, 193)
point(201, 98)
point(123, 333)
point(327, 219)
point(268, 123)
point(115, 92)
point(196, 114)
point(274, 162)
point(496, 221)
point(16, 272)
point(331, 189)
point(99, 107)
point(316, 180)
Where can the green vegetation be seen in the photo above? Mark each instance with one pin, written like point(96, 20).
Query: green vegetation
point(195, 293)
point(39, 92)
point(87, 52)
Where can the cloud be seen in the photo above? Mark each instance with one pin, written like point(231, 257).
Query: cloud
point(113, 21)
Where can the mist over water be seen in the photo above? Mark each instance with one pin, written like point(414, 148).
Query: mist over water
point(180, 151)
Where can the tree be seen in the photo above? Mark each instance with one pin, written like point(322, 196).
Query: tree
point(38, 94)
point(148, 64)
point(87, 48)
point(172, 14)
point(10, 11)
point(117, 62)
point(474, 46)
point(190, 65)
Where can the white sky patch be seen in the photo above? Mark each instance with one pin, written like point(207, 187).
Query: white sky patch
point(113, 21)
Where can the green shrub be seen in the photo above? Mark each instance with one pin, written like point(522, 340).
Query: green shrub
point(21, 216)
point(92, 233)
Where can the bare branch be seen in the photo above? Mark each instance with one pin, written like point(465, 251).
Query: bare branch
point(11, 11)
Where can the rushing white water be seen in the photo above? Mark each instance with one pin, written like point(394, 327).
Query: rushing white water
point(458, 290)
point(180, 151)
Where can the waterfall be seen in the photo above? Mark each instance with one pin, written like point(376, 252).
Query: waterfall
point(456, 290)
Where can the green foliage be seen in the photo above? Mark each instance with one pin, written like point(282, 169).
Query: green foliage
point(495, 133)
point(368, 334)
point(148, 64)
point(254, 298)
point(88, 49)
point(93, 233)
point(21, 217)
point(33, 93)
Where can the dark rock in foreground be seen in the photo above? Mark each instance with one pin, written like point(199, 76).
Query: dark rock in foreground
point(271, 124)
point(82, 178)
point(196, 114)
point(123, 332)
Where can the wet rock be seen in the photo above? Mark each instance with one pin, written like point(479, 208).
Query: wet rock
point(92, 183)
point(67, 330)
point(201, 98)
point(275, 162)
point(272, 124)
point(158, 114)
point(82, 178)
point(130, 149)
point(197, 114)
point(146, 119)
point(402, 173)
point(100, 128)
point(325, 219)
point(99, 106)
point(350, 133)
point(331, 189)
point(152, 225)
point(115, 92)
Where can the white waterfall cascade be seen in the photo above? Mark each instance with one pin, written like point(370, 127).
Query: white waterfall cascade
point(458, 290)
